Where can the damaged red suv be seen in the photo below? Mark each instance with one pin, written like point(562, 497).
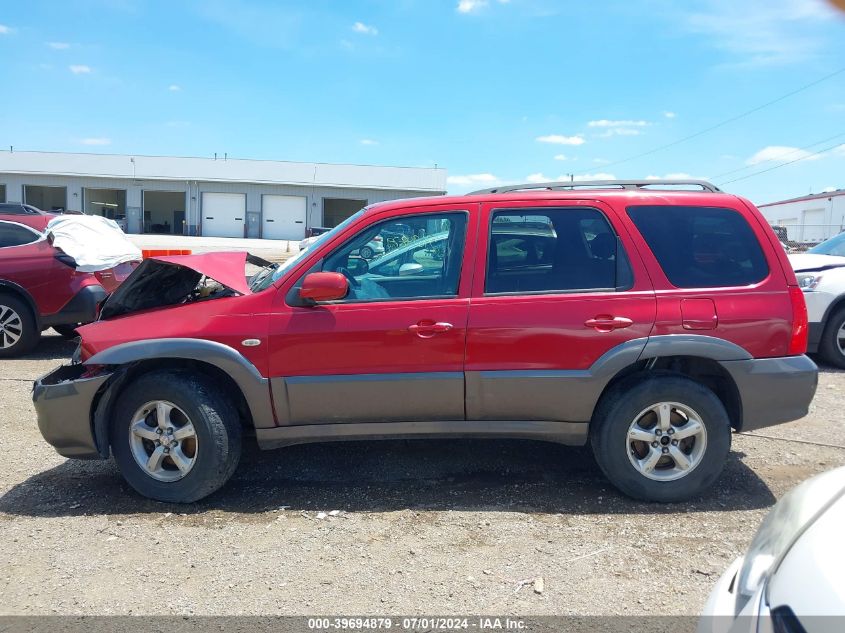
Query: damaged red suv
point(645, 320)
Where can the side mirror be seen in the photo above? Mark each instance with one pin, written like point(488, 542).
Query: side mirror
point(410, 269)
point(318, 287)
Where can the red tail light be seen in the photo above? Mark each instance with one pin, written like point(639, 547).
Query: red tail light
point(798, 342)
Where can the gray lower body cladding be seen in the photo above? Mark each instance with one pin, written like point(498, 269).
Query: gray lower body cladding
point(773, 390)
point(63, 403)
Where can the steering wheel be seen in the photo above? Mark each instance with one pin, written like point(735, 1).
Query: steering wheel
point(343, 270)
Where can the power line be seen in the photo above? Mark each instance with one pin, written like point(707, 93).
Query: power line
point(725, 122)
point(779, 157)
point(763, 171)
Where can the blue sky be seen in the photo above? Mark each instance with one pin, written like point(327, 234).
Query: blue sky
point(493, 90)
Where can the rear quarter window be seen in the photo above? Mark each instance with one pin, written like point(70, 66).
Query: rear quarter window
point(701, 247)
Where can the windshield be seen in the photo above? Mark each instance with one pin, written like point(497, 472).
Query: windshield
point(833, 246)
point(265, 278)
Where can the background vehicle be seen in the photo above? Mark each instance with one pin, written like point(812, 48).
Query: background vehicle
point(41, 286)
point(604, 312)
point(794, 570)
point(821, 275)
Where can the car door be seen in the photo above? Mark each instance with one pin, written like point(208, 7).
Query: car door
point(558, 290)
point(393, 349)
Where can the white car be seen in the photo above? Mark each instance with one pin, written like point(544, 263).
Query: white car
point(821, 275)
point(371, 249)
point(794, 570)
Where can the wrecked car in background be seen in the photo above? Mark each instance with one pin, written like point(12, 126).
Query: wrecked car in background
point(54, 272)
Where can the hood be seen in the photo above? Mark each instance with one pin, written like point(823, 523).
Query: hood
point(95, 243)
point(225, 268)
point(160, 282)
point(811, 261)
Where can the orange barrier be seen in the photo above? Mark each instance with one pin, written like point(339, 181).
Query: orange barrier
point(163, 253)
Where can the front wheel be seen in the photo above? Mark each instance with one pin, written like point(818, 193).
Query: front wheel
point(175, 436)
point(664, 438)
point(366, 252)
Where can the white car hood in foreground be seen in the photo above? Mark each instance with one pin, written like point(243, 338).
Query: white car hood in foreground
point(811, 261)
point(811, 578)
point(96, 243)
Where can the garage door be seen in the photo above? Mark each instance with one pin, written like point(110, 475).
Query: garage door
point(283, 217)
point(814, 228)
point(223, 214)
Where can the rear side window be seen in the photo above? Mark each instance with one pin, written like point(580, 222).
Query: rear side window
point(15, 235)
point(701, 247)
point(554, 250)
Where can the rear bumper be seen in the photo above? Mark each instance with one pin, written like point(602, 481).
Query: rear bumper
point(63, 403)
point(773, 390)
point(81, 309)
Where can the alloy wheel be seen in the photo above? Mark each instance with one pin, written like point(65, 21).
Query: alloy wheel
point(163, 441)
point(666, 441)
point(11, 327)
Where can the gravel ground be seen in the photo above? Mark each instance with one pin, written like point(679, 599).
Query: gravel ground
point(425, 527)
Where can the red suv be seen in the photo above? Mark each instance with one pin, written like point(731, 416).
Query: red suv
point(40, 286)
point(645, 320)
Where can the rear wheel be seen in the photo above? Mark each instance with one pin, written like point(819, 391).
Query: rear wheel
point(832, 345)
point(175, 437)
point(366, 252)
point(663, 438)
point(18, 330)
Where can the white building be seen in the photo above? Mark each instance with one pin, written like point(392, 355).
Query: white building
point(207, 196)
point(812, 218)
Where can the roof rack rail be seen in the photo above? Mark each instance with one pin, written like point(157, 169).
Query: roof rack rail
point(601, 184)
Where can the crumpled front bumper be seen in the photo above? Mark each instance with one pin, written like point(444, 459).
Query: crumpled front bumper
point(63, 401)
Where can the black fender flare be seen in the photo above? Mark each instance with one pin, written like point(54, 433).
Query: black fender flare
point(255, 388)
point(11, 286)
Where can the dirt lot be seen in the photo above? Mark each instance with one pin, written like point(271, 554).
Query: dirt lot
point(434, 527)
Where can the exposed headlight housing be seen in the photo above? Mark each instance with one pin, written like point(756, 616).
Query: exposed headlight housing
point(784, 524)
point(808, 281)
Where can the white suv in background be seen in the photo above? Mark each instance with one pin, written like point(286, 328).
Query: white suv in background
point(821, 275)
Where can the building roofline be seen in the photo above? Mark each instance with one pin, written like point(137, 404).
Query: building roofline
point(140, 167)
point(814, 196)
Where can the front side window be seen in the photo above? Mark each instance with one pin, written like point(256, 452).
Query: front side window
point(405, 258)
point(16, 235)
point(554, 250)
point(701, 247)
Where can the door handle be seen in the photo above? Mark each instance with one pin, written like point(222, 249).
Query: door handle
point(607, 323)
point(427, 329)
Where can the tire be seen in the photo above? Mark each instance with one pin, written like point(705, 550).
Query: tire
point(19, 332)
point(366, 252)
point(214, 450)
point(67, 330)
point(683, 400)
point(833, 335)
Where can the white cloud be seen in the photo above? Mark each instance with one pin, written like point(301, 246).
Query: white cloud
point(669, 115)
point(368, 141)
point(620, 131)
point(96, 141)
point(79, 69)
point(174, 87)
point(468, 6)
point(59, 46)
point(535, 178)
point(557, 139)
point(6, 30)
point(762, 32)
point(474, 6)
point(561, 157)
point(473, 179)
point(779, 152)
point(365, 29)
point(618, 123)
